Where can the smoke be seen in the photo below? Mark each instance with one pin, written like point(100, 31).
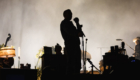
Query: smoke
point(36, 23)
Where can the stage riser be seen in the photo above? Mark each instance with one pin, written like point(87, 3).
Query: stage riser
point(18, 74)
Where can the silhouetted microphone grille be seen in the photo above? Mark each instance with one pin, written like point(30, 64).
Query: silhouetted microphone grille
point(118, 39)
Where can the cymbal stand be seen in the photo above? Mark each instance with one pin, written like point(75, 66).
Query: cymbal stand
point(93, 66)
point(84, 68)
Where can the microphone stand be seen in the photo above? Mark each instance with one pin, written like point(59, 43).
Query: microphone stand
point(84, 61)
point(79, 29)
point(93, 66)
point(85, 56)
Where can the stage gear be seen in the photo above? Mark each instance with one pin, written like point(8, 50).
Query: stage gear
point(7, 54)
point(93, 66)
point(113, 60)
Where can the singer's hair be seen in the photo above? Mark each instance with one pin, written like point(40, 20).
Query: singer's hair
point(68, 11)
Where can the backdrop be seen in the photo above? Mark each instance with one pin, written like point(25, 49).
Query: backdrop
point(36, 23)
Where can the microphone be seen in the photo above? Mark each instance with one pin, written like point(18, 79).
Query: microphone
point(118, 39)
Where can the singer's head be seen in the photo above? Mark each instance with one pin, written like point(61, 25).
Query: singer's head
point(136, 40)
point(67, 14)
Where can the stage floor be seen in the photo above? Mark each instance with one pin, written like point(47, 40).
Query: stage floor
point(90, 72)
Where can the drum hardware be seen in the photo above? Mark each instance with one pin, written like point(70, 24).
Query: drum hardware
point(88, 55)
point(7, 54)
point(116, 56)
point(93, 66)
point(85, 57)
point(84, 61)
point(122, 50)
point(125, 43)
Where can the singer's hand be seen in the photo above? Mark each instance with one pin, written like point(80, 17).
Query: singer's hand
point(76, 20)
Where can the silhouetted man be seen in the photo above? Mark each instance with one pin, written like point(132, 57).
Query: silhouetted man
point(72, 43)
point(137, 48)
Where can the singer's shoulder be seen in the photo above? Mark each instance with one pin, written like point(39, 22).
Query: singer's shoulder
point(65, 22)
point(62, 22)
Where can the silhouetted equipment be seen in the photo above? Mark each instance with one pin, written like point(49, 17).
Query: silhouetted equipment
point(112, 49)
point(47, 50)
point(7, 54)
point(93, 66)
point(58, 49)
point(53, 61)
point(114, 60)
point(27, 66)
point(116, 49)
point(123, 51)
point(83, 35)
point(87, 55)
point(8, 38)
point(6, 62)
point(126, 43)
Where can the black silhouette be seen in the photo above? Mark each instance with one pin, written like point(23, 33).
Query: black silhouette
point(58, 49)
point(8, 61)
point(72, 42)
point(8, 38)
point(137, 48)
